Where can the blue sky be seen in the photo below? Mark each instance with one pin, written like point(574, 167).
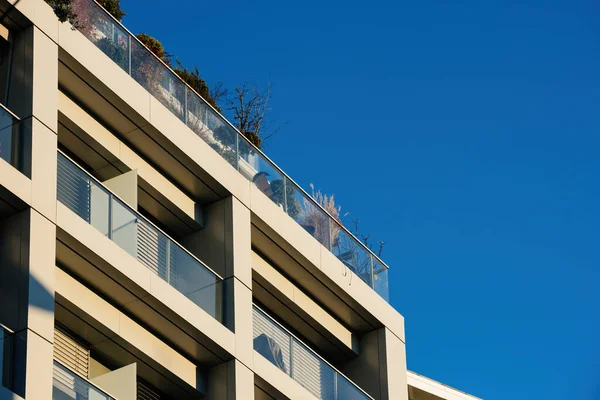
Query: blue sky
point(463, 134)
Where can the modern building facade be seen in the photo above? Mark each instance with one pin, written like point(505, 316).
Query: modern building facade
point(148, 251)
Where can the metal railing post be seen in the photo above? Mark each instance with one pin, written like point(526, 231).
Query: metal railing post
point(129, 53)
point(285, 205)
point(168, 269)
point(185, 105)
point(335, 386)
point(372, 272)
point(291, 356)
point(110, 212)
point(237, 151)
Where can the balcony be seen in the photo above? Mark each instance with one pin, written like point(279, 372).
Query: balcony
point(67, 385)
point(90, 200)
point(123, 48)
point(303, 365)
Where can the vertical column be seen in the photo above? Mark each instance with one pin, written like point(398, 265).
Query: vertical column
point(239, 272)
point(392, 355)
point(380, 368)
point(31, 252)
point(225, 245)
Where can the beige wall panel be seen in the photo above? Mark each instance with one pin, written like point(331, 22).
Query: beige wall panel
point(109, 142)
point(15, 182)
point(95, 61)
point(434, 388)
point(193, 314)
point(126, 187)
point(103, 247)
point(293, 234)
point(115, 151)
point(120, 383)
point(242, 243)
point(289, 294)
point(281, 381)
point(45, 77)
point(200, 152)
point(39, 368)
point(42, 258)
point(43, 169)
point(40, 14)
point(76, 293)
point(394, 383)
point(231, 380)
point(362, 293)
point(244, 382)
point(122, 327)
point(244, 350)
point(157, 350)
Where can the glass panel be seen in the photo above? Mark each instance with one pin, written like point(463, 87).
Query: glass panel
point(353, 255)
point(312, 372)
point(9, 128)
point(346, 390)
point(124, 227)
point(263, 173)
point(211, 128)
point(170, 91)
point(294, 358)
point(82, 195)
point(103, 31)
point(305, 212)
point(67, 385)
point(271, 341)
point(138, 237)
point(380, 280)
point(144, 67)
point(195, 281)
point(157, 79)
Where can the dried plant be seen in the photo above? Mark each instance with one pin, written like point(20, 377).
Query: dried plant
point(311, 215)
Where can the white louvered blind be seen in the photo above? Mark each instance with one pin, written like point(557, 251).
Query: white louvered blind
point(71, 353)
point(146, 391)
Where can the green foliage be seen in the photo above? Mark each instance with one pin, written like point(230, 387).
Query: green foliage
point(192, 78)
point(155, 46)
point(63, 10)
point(113, 7)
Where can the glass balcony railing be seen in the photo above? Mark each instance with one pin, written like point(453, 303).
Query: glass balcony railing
point(125, 50)
point(10, 137)
point(303, 365)
point(90, 200)
point(67, 385)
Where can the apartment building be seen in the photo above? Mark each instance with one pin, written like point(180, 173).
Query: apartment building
point(148, 251)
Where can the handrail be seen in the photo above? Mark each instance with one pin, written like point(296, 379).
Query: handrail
point(10, 112)
point(244, 137)
point(78, 375)
point(263, 312)
point(102, 185)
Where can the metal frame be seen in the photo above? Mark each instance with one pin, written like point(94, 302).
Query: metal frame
point(138, 214)
point(239, 134)
point(294, 337)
